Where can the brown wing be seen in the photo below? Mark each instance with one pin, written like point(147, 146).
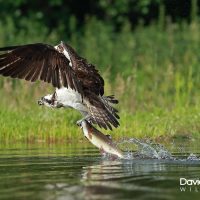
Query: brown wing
point(100, 113)
point(87, 74)
point(89, 77)
point(38, 62)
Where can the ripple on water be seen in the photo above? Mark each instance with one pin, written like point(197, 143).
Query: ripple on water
point(81, 173)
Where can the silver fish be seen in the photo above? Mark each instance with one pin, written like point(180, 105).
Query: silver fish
point(103, 142)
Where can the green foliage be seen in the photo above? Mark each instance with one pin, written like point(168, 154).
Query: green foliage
point(34, 124)
point(153, 70)
point(54, 13)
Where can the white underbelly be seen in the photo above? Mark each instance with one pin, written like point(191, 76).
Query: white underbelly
point(67, 96)
point(70, 98)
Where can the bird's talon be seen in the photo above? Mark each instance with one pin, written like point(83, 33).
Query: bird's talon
point(78, 123)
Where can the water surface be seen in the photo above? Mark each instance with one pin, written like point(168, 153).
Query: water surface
point(79, 172)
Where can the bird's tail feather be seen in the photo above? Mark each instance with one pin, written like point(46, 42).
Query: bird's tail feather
point(102, 113)
point(108, 100)
point(111, 99)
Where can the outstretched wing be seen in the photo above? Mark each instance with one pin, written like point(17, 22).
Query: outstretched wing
point(38, 62)
point(87, 74)
point(101, 114)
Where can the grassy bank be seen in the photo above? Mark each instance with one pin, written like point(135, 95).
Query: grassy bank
point(153, 71)
point(27, 122)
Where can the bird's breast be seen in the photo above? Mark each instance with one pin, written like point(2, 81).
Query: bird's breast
point(68, 96)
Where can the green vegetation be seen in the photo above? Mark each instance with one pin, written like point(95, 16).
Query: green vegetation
point(43, 125)
point(153, 70)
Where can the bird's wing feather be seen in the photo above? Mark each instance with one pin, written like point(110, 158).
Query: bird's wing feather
point(38, 62)
point(86, 73)
point(100, 114)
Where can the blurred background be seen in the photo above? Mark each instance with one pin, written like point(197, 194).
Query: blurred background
point(147, 51)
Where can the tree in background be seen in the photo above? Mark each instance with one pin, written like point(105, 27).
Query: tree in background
point(61, 13)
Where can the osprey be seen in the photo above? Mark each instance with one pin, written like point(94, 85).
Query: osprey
point(78, 84)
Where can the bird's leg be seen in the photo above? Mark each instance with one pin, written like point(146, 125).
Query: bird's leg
point(87, 118)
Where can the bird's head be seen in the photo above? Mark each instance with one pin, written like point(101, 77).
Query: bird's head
point(46, 100)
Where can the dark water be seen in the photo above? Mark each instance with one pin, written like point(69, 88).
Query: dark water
point(66, 172)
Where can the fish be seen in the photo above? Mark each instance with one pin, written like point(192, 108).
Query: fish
point(101, 141)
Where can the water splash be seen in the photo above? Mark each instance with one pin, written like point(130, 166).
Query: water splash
point(193, 157)
point(144, 149)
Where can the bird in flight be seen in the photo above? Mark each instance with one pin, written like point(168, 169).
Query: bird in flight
point(78, 84)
